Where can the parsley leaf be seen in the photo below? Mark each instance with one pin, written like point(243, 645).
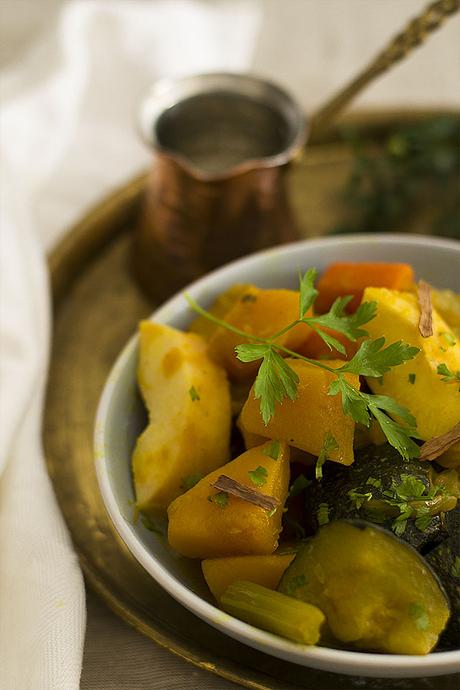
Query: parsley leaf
point(308, 293)
point(250, 352)
point(258, 476)
point(361, 406)
point(400, 523)
point(348, 324)
point(423, 518)
point(448, 375)
point(409, 488)
point(358, 498)
point(273, 450)
point(329, 444)
point(298, 485)
point(411, 378)
point(372, 360)
point(275, 380)
point(220, 499)
point(189, 481)
point(194, 394)
point(354, 403)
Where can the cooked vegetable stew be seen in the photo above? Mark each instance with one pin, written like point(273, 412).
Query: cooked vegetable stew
point(306, 448)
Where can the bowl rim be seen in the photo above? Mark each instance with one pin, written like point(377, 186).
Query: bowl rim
point(325, 658)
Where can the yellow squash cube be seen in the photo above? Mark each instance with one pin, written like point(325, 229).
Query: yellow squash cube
point(255, 311)
point(267, 571)
point(201, 527)
point(305, 421)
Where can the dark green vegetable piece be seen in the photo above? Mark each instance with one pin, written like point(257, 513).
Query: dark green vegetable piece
point(413, 168)
point(407, 496)
point(445, 561)
point(376, 591)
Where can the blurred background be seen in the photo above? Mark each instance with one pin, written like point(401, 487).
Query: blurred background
point(73, 74)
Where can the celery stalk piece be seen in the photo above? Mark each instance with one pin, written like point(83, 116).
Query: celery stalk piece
point(273, 611)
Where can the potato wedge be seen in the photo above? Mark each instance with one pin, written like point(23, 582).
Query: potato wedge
point(416, 384)
point(188, 399)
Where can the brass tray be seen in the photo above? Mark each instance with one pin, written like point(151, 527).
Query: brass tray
point(97, 306)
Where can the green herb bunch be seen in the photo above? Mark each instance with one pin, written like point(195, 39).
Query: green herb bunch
point(414, 165)
point(276, 379)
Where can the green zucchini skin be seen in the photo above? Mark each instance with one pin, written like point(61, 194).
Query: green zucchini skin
point(445, 561)
point(381, 463)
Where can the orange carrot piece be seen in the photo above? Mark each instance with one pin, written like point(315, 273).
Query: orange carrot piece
point(341, 279)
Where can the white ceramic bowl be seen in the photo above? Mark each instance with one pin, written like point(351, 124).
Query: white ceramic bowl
point(121, 417)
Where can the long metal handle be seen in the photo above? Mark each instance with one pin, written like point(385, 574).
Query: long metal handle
point(413, 35)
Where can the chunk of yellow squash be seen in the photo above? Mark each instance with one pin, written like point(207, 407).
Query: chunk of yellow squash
point(188, 399)
point(200, 527)
point(255, 311)
point(305, 421)
point(267, 571)
point(434, 404)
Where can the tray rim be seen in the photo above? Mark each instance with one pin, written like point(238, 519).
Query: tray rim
point(84, 239)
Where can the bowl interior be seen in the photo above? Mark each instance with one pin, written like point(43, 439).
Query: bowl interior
point(121, 415)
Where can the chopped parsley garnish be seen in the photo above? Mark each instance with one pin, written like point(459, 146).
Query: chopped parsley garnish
point(400, 523)
point(423, 519)
point(220, 499)
point(419, 615)
point(276, 380)
point(295, 583)
point(194, 394)
point(322, 514)
point(448, 376)
point(273, 450)
point(189, 481)
point(258, 476)
point(358, 498)
point(409, 488)
point(329, 445)
point(412, 378)
point(407, 499)
point(298, 485)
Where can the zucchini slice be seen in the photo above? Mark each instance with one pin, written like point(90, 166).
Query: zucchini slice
point(376, 592)
point(407, 496)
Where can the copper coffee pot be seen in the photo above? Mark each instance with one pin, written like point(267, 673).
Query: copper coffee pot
point(216, 190)
point(221, 145)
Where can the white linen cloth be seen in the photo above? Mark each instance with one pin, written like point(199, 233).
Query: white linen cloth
point(72, 75)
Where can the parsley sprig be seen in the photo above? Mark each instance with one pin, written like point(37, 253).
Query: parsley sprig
point(277, 380)
point(448, 376)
